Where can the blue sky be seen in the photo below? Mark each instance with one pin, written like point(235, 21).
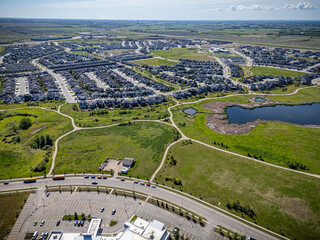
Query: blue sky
point(163, 9)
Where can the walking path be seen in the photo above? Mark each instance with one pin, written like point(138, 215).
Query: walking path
point(173, 124)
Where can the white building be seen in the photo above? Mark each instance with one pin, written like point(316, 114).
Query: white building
point(139, 229)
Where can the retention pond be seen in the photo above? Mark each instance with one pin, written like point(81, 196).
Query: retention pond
point(308, 114)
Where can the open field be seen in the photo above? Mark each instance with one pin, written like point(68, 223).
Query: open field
point(275, 72)
point(85, 150)
point(94, 118)
point(10, 207)
point(147, 74)
point(177, 53)
point(155, 62)
point(272, 193)
point(276, 143)
point(16, 154)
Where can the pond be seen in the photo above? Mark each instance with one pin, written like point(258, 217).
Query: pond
point(190, 111)
point(259, 99)
point(299, 114)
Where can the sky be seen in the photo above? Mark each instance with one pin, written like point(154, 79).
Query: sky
point(163, 9)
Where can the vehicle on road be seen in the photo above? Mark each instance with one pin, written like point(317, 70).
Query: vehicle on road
point(58, 177)
point(94, 182)
point(29, 180)
point(135, 182)
point(99, 177)
point(142, 183)
point(86, 176)
point(102, 209)
point(35, 223)
point(153, 186)
point(42, 222)
point(6, 183)
point(113, 211)
point(48, 193)
point(93, 177)
point(104, 177)
point(122, 180)
point(148, 184)
point(58, 223)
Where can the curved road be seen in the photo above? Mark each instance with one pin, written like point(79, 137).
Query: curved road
point(213, 216)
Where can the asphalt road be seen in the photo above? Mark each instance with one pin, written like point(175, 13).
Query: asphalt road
point(213, 216)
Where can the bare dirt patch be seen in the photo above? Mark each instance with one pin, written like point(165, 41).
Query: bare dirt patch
point(218, 121)
point(113, 164)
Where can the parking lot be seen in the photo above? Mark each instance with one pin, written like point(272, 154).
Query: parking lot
point(56, 205)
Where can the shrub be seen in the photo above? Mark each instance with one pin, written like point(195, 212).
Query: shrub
point(25, 123)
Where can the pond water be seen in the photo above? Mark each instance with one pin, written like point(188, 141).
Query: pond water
point(259, 99)
point(298, 114)
point(190, 111)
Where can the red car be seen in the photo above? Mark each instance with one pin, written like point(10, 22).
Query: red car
point(148, 184)
point(99, 177)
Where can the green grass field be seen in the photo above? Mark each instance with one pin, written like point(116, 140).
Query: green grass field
point(155, 62)
point(85, 150)
point(10, 208)
point(84, 119)
point(275, 72)
point(277, 143)
point(2, 49)
point(282, 201)
point(177, 53)
point(18, 157)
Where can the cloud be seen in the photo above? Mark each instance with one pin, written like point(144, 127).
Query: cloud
point(299, 6)
point(257, 7)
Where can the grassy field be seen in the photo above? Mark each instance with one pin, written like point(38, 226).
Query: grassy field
point(284, 202)
point(147, 74)
point(275, 72)
point(87, 54)
point(17, 156)
point(155, 62)
point(275, 142)
point(10, 207)
point(2, 49)
point(177, 53)
point(85, 150)
point(92, 118)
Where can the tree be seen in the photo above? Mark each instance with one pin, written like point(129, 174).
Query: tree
point(75, 216)
point(25, 123)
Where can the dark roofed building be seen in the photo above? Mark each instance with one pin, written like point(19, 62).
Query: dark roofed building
point(128, 162)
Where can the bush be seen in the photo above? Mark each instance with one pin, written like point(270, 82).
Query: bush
point(25, 123)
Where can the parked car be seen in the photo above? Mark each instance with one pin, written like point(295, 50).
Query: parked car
point(45, 235)
point(114, 211)
point(42, 222)
point(48, 193)
point(58, 223)
point(35, 223)
point(6, 183)
point(42, 235)
point(35, 235)
point(102, 209)
point(81, 223)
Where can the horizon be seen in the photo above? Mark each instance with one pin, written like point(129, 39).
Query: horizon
point(171, 10)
